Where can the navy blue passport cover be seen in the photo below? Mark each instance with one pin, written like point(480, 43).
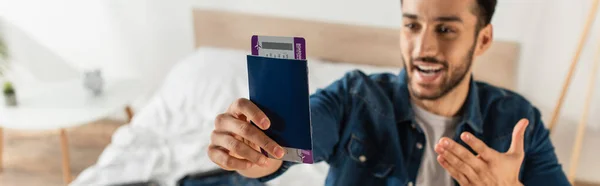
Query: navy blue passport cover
point(279, 87)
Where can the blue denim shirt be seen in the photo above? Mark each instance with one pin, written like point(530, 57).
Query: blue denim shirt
point(363, 126)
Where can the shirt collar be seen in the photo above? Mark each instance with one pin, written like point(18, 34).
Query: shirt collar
point(471, 112)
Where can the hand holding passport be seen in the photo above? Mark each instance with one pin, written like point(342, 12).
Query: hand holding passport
point(279, 87)
point(275, 122)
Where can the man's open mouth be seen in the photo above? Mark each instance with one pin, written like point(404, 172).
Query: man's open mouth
point(429, 70)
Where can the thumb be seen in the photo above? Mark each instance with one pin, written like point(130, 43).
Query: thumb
point(518, 136)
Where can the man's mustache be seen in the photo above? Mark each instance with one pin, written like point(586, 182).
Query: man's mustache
point(428, 59)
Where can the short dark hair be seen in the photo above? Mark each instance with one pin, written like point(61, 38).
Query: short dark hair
point(484, 11)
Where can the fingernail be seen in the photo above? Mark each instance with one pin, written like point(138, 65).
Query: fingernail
point(279, 152)
point(262, 161)
point(437, 148)
point(248, 165)
point(443, 162)
point(445, 143)
point(265, 123)
point(467, 137)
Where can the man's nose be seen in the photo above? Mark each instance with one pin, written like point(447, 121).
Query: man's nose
point(426, 45)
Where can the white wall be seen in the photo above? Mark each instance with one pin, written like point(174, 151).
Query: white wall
point(383, 13)
point(134, 38)
point(157, 33)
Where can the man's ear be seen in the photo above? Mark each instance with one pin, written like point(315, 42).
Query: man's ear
point(484, 39)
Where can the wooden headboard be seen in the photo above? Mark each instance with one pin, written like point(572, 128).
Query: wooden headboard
point(339, 42)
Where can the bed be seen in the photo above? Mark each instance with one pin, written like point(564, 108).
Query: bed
point(168, 138)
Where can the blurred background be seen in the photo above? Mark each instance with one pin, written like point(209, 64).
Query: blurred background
point(52, 42)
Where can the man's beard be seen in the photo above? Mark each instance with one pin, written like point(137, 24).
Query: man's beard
point(456, 77)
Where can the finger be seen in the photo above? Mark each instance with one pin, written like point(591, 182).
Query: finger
point(250, 133)
point(478, 146)
point(461, 167)
point(461, 153)
point(518, 135)
point(248, 109)
point(459, 177)
point(238, 147)
point(226, 161)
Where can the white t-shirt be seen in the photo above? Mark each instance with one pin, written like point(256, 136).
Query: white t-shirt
point(434, 127)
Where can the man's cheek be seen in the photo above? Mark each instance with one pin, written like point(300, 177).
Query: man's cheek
point(405, 59)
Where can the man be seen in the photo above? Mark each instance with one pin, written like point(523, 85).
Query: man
point(429, 125)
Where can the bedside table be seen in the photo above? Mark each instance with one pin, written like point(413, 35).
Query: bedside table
point(60, 105)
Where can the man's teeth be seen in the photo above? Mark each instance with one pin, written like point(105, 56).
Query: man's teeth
point(429, 69)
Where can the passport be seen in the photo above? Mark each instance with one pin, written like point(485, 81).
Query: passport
point(279, 87)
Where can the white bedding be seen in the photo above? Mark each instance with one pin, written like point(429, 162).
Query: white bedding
point(168, 138)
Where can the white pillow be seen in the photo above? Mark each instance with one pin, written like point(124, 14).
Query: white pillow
point(322, 73)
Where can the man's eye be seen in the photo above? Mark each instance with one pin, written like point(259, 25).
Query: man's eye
point(410, 25)
point(444, 30)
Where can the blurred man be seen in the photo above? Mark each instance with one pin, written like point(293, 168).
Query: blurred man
point(432, 124)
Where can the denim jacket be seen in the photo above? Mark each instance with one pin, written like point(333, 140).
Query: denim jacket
point(363, 126)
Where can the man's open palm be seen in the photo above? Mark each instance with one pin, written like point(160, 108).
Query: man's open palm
point(488, 167)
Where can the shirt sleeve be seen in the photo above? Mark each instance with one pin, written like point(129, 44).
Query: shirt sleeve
point(327, 106)
point(541, 166)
